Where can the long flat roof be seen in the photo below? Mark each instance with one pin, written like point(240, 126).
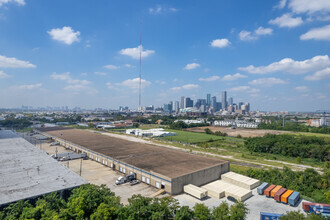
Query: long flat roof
point(27, 172)
point(168, 162)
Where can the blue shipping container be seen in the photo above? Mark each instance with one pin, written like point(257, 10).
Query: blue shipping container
point(269, 216)
point(262, 188)
point(293, 199)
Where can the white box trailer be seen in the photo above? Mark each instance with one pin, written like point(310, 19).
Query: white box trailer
point(195, 191)
point(240, 180)
point(216, 189)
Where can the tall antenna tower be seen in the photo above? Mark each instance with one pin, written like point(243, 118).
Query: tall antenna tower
point(140, 107)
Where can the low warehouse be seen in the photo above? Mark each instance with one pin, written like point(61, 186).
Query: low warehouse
point(28, 173)
point(161, 167)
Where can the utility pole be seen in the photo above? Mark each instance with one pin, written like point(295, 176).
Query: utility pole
point(80, 166)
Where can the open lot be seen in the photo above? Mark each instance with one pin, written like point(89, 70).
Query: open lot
point(255, 204)
point(96, 173)
point(192, 138)
point(244, 132)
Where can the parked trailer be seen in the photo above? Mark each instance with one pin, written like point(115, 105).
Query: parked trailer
point(279, 193)
point(262, 188)
point(317, 208)
point(269, 189)
point(285, 196)
point(195, 191)
point(293, 199)
point(275, 190)
point(269, 216)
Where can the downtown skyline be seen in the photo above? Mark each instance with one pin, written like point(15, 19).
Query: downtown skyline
point(273, 54)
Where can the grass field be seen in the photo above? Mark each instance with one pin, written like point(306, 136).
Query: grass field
point(191, 137)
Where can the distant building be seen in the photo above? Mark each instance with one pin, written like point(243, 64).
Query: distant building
point(188, 103)
point(208, 100)
point(168, 107)
point(240, 105)
point(175, 107)
point(214, 101)
point(230, 101)
point(182, 103)
point(224, 100)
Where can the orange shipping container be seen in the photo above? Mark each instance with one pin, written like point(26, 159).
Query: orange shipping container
point(269, 189)
point(286, 195)
point(277, 188)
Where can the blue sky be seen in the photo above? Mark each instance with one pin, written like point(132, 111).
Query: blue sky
point(273, 54)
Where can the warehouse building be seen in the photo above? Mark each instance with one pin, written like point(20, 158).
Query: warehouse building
point(28, 173)
point(160, 167)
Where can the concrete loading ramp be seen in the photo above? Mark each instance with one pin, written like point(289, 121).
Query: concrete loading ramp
point(219, 189)
point(240, 180)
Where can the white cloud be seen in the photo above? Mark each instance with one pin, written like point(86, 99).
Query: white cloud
point(29, 87)
point(281, 4)
point(319, 75)
point(322, 33)
point(161, 10)
point(68, 79)
point(111, 67)
point(291, 66)
point(267, 81)
point(247, 89)
point(65, 35)
point(185, 87)
point(248, 36)
point(109, 85)
point(302, 88)
point(287, 20)
point(135, 52)
point(209, 79)
point(191, 66)
point(309, 6)
point(7, 62)
point(19, 2)
point(3, 75)
point(129, 65)
point(79, 88)
point(233, 77)
point(100, 73)
point(220, 43)
point(263, 31)
point(134, 83)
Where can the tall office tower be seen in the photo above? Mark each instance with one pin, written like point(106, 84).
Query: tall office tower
point(175, 106)
point(182, 102)
point(224, 100)
point(208, 100)
point(247, 107)
point(240, 105)
point(188, 103)
point(214, 101)
point(230, 101)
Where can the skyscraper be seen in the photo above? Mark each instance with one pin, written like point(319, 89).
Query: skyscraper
point(175, 106)
point(182, 102)
point(224, 100)
point(208, 100)
point(188, 103)
point(214, 101)
point(230, 101)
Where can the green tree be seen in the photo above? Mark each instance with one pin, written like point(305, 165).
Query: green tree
point(221, 212)
point(201, 212)
point(208, 131)
point(238, 211)
point(184, 213)
point(296, 215)
point(104, 212)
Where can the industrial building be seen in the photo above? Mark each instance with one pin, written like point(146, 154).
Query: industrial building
point(156, 132)
point(161, 167)
point(28, 173)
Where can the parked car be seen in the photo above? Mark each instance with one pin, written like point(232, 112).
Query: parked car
point(134, 182)
point(121, 180)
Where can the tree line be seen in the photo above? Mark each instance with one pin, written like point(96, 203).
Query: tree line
point(98, 202)
point(293, 126)
point(290, 145)
point(15, 123)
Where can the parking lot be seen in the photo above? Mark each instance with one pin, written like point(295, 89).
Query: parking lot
point(98, 174)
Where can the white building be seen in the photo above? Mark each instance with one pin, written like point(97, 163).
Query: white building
point(236, 123)
point(156, 132)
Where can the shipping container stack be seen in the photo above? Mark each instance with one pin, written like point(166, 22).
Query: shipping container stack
point(279, 193)
point(317, 208)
